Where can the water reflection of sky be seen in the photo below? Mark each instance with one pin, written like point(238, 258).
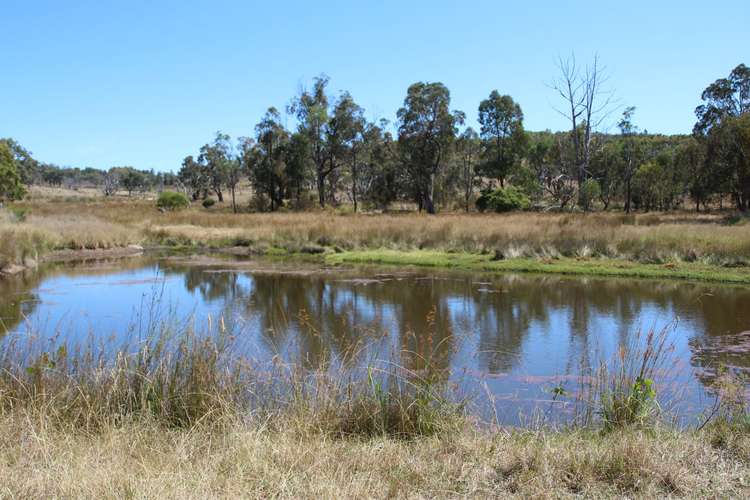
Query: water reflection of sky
point(513, 336)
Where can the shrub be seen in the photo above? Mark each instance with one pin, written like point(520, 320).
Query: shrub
point(19, 213)
point(590, 191)
point(209, 202)
point(503, 200)
point(170, 200)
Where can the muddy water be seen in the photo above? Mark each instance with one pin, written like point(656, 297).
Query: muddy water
point(507, 340)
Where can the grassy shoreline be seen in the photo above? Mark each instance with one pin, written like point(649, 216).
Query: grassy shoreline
point(679, 245)
point(561, 266)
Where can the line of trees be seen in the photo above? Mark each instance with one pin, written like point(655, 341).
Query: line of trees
point(27, 171)
point(334, 155)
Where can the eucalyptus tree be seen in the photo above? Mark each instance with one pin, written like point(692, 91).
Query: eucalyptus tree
point(27, 166)
point(263, 159)
point(724, 128)
point(427, 128)
point(377, 173)
point(311, 111)
point(193, 177)
point(607, 168)
point(504, 139)
point(343, 138)
point(11, 187)
point(692, 155)
point(132, 180)
point(725, 98)
point(468, 149)
point(297, 168)
point(234, 175)
point(215, 159)
point(631, 153)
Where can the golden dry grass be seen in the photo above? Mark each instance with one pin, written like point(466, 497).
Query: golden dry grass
point(647, 238)
point(147, 461)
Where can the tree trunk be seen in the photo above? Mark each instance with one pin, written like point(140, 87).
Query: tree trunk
point(321, 189)
point(354, 189)
point(234, 201)
point(429, 205)
point(430, 198)
point(627, 198)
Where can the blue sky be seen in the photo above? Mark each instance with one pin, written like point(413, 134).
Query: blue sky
point(146, 83)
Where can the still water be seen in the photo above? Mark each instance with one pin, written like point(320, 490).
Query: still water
point(506, 339)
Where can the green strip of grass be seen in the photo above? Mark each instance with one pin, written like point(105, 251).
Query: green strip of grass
point(590, 267)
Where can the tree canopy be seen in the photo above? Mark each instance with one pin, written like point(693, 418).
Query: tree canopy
point(332, 154)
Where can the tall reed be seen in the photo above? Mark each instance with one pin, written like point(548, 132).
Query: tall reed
point(622, 391)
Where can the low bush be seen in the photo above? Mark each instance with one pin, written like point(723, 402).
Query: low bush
point(208, 203)
point(171, 200)
point(505, 199)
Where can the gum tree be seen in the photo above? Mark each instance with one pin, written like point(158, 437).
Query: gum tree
point(427, 128)
point(503, 137)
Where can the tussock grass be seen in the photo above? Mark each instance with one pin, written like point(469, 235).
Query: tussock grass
point(684, 239)
point(175, 413)
point(243, 460)
point(32, 235)
point(622, 391)
point(179, 378)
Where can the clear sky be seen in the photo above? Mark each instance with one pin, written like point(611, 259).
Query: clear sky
point(144, 83)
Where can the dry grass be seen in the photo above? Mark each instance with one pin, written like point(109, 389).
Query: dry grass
point(646, 238)
point(146, 461)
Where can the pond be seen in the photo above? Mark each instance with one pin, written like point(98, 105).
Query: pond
point(508, 340)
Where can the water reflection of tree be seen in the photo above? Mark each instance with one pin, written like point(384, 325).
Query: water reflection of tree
point(325, 317)
point(212, 284)
point(19, 300)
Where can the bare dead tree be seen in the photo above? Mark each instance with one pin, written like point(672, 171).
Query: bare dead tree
point(111, 183)
point(588, 103)
point(598, 105)
point(569, 86)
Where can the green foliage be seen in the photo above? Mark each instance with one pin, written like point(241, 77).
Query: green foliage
point(132, 180)
point(264, 159)
point(590, 191)
point(19, 213)
point(657, 184)
point(629, 405)
point(723, 128)
point(502, 134)
point(171, 200)
point(505, 199)
point(11, 187)
point(624, 391)
point(27, 166)
point(427, 127)
point(208, 203)
point(338, 156)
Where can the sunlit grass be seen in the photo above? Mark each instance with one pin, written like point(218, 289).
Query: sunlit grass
point(692, 246)
point(178, 413)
